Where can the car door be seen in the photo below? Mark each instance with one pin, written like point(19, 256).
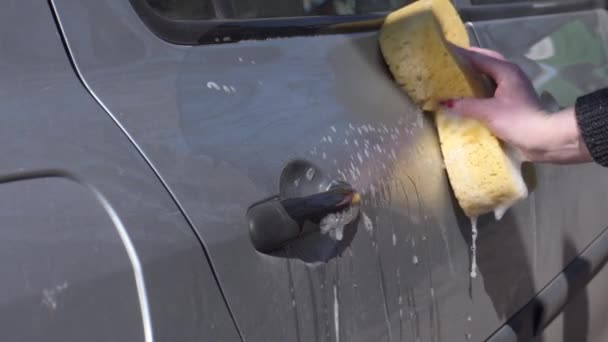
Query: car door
point(92, 246)
point(230, 110)
point(563, 51)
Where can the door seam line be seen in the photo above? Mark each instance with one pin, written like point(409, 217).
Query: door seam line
point(140, 151)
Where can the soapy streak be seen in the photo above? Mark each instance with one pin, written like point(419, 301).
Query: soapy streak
point(474, 247)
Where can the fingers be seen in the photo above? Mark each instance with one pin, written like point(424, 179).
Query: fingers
point(480, 109)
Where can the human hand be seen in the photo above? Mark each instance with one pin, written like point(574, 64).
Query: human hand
point(514, 114)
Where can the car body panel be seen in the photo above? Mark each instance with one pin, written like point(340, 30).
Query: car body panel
point(584, 317)
point(93, 246)
point(565, 55)
point(219, 122)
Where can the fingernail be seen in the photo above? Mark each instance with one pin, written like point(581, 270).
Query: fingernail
point(447, 103)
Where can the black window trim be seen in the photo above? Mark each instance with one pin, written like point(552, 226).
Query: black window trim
point(199, 32)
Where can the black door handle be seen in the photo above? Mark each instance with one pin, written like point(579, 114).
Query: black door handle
point(275, 222)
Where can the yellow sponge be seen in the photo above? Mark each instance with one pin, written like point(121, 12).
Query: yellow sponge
point(413, 41)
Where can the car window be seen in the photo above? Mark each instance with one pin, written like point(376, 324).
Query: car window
point(253, 9)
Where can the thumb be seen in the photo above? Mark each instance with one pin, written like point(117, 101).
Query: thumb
point(480, 109)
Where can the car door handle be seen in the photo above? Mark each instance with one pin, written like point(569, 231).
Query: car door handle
point(275, 222)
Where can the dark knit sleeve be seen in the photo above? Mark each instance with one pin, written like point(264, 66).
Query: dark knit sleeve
point(592, 117)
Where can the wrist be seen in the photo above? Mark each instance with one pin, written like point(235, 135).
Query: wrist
point(559, 140)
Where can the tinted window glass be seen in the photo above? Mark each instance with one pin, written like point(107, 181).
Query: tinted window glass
point(250, 9)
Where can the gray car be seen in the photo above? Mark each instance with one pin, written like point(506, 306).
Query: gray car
point(148, 149)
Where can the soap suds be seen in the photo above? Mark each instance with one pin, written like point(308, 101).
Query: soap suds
point(367, 223)
point(336, 314)
point(49, 296)
point(333, 224)
point(500, 211)
point(213, 85)
point(310, 174)
point(226, 88)
point(474, 247)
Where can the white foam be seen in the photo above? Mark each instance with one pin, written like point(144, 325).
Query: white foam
point(473, 247)
point(333, 224)
point(310, 174)
point(336, 314)
point(213, 85)
point(367, 223)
